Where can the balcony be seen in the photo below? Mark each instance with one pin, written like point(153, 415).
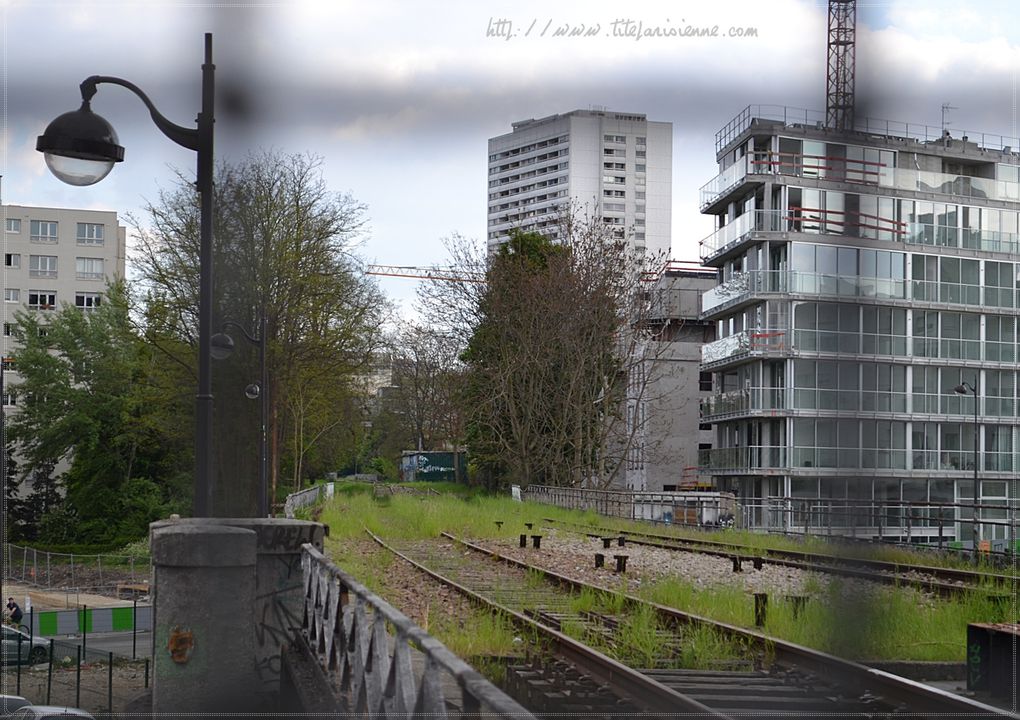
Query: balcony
point(752, 457)
point(742, 402)
point(746, 343)
point(716, 188)
point(735, 232)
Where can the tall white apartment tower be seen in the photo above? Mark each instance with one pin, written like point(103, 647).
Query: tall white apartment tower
point(616, 166)
point(53, 256)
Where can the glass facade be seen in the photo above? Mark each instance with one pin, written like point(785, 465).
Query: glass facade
point(859, 288)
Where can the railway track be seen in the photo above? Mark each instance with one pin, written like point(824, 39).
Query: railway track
point(941, 581)
point(773, 678)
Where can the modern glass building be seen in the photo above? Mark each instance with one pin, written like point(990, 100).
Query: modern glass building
point(869, 283)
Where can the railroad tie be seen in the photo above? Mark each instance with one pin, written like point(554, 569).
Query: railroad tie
point(621, 563)
point(757, 563)
point(524, 541)
point(529, 525)
point(606, 542)
point(499, 524)
point(797, 601)
point(621, 541)
point(736, 563)
point(536, 541)
point(600, 560)
point(761, 607)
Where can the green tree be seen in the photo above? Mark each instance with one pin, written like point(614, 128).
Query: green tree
point(284, 246)
point(558, 350)
point(85, 378)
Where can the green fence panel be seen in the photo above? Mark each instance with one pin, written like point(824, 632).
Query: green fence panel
point(47, 623)
point(123, 618)
point(85, 621)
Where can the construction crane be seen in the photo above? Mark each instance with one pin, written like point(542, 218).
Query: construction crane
point(454, 274)
point(450, 274)
point(839, 80)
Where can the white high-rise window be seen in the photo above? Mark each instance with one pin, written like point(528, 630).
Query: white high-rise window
point(43, 231)
point(13, 225)
point(90, 234)
point(12, 295)
point(12, 260)
point(42, 266)
point(87, 300)
point(42, 299)
point(89, 268)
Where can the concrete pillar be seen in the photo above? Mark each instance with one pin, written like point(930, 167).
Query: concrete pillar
point(203, 617)
point(278, 596)
point(279, 591)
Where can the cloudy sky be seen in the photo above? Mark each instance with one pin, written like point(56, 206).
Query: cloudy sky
point(399, 97)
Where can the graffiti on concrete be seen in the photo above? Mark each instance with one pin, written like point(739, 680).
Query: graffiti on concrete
point(278, 612)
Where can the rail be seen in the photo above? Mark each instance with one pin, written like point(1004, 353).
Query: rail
point(375, 674)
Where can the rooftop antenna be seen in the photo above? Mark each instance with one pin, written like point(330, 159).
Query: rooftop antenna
point(839, 82)
point(946, 107)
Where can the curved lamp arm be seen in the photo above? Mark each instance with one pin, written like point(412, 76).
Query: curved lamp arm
point(186, 137)
point(238, 326)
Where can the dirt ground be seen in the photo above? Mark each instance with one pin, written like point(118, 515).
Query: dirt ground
point(128, 681)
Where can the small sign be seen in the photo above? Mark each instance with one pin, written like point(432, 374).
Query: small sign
point(180, 645)
point(985, 546)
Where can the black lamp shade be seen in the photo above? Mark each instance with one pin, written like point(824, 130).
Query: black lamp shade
point(81, 134)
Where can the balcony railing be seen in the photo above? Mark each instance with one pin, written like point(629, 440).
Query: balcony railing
point(734, 232)
point(873, 126)
point(748, 342)
point(737, 402)
point(723, 182)
point(751, 457)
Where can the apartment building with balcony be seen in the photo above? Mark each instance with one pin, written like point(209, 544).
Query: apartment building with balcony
point(614, 166)
point(54, 256)
point(863, 276)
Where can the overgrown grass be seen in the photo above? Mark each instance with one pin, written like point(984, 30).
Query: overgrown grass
point(893, 623)
point(885, 624)
point(480, 633)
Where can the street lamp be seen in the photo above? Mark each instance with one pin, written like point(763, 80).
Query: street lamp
point(81, 148)
point(222, 347)
point(965, 388)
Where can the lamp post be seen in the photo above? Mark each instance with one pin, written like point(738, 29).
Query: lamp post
point(965, 388)
point(222, 347)
point(81, 148)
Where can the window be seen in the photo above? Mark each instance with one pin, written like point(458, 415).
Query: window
point(640, 153)
point(614, 207)
point(90, 234)
point(640, 140)
point(42, 299)
point(42, 266)
point(10, 399)
point(13, 225)
point(615, 138)
point(12, 295)
point(705, 382)
point(89, 268)
point(640, 194)
point(639, 168)
point(12, 260)
point(8, 329)
point(43, 231)
point(87, 300)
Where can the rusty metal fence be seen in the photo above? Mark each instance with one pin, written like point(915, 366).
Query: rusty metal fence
point(377, 674)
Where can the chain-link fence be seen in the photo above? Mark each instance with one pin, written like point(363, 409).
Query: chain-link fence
point(106, 572)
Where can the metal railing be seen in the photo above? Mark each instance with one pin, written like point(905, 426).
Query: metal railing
point(376, 674)
point(695, 508)
point(947, 525)
point(306, 498)
point(872, 126)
